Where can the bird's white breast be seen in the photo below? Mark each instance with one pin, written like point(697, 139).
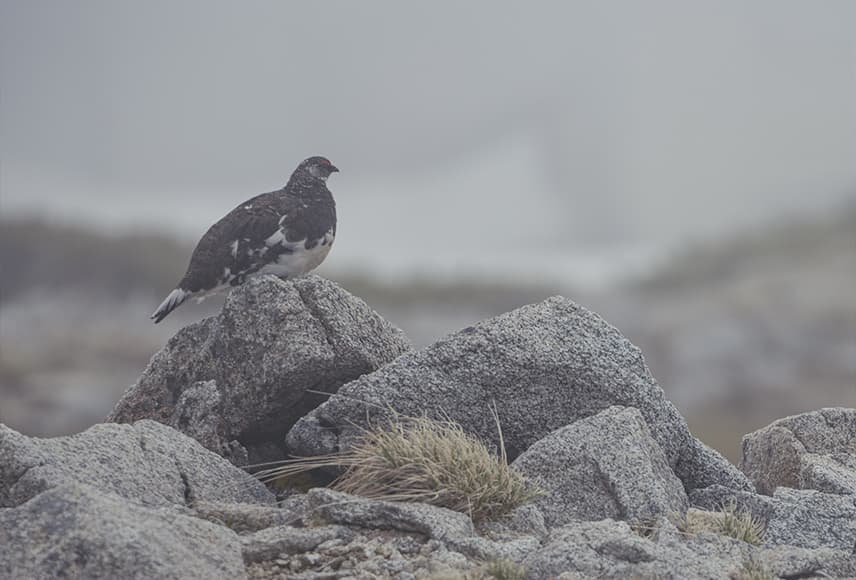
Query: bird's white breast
point(301, 259)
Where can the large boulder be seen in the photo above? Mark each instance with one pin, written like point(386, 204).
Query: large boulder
point(543, 366)
point(603, 466)
point(147, 463)
point(239, 380)
point(815, 450)
point(77, 531)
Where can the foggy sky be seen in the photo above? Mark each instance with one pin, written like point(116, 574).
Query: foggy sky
point(634, 120)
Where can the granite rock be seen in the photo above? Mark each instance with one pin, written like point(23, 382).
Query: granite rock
point(604, 466)
point(792, 517)
point(147, 462)
point(543, 366)
point(238, 381)
point(77, 531)
point(815, 450)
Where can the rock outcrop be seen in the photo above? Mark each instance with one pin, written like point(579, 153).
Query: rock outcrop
point(815, 450)
point(79, 531)
point(793, 517)
point(147, 463)
point(610, 549)
point(603, 466)
point(236, 382)
point(543, 366)
point(581, 415)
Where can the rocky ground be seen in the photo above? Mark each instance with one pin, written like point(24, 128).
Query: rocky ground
point(302, 367)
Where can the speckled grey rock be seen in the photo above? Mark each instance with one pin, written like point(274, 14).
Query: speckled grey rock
point(76, 531)
point(610, 549)
point(545, 366)
point(795, 517)
point(243, 518)
point(603, 466)
point(272, 542)
point(487, 550)
point(242, 378)
point(341, 508)
point(815, 450)
point(832, 473)
point(147, 463)
point(455, 530)
point(715, 497)
point(811, 519)
point(368, 554)
point(792, 562)
point(527, 520)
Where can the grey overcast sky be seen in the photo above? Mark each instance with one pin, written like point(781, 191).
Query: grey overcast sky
point(619, 120)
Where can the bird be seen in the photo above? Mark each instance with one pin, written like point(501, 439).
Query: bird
point(286, 233)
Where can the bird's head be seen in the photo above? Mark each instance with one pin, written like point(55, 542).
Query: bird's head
point(317, 167)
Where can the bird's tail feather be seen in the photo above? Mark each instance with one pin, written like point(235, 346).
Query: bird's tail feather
point(173, 301)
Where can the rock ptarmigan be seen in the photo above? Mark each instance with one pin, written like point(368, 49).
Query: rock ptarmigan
point(286, 233)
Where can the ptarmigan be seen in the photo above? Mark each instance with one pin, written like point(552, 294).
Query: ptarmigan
point(286, 233)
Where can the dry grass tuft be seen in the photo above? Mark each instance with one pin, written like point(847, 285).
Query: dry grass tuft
point(420, 459)
point(729, 521)
point(741, 525)
point(504, 570)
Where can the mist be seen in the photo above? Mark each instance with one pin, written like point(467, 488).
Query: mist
point(571, 124)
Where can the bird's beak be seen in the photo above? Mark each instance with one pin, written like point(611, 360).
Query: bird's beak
point(334, 169)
